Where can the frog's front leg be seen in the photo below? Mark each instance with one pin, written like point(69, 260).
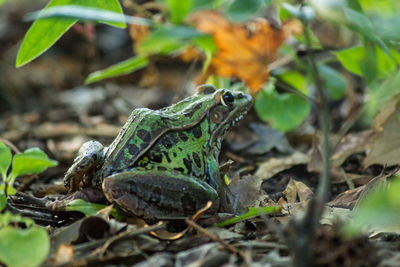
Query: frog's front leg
point(154, 194)
point(90, 158)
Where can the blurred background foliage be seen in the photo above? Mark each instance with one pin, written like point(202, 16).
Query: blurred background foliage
point(241, 44)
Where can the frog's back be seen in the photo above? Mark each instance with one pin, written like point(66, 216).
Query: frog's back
point(145, 126)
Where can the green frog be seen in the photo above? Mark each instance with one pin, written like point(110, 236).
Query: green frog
point(164, 163)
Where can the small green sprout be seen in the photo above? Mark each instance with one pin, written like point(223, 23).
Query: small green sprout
point(31, 161)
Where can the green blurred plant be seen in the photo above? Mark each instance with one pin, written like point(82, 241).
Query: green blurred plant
point(31, 161)
point(378, 211)
point(22, 247)
point(374, 58)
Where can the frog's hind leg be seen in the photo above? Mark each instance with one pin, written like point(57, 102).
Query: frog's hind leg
point(154, 194)
point(90, 157)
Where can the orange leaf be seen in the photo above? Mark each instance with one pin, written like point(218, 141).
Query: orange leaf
point(244, 50)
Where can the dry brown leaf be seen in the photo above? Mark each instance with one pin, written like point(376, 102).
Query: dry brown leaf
point(244, 50)
point(385, 145)
point(138, 33)
point(275, 165)
point(296, 189)
point(350, 144)
point(303, 191)
point(348, 198)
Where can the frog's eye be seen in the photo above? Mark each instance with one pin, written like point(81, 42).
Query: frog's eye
point(216, 115)
point(206, 89)
point(227, 99)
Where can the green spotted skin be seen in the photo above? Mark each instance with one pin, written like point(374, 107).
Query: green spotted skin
point(159, 138)
point(164, 163)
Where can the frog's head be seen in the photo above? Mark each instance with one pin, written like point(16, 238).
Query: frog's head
point(227, 108)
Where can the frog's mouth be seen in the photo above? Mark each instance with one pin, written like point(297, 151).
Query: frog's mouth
point(235, 115)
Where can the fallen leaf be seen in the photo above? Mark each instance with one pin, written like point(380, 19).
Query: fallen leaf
point(245, 190)
point(275, 165)
point(385, 145)
point(296, 189)
point(244, 50)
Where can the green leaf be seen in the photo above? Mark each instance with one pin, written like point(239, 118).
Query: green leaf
point(125, 67)
point(87, 14)
point(10, 189)
point(45, 32)
point(243, 9)
point(379, 93)
point(253, 211)
point(178, 10)
point(23, 247)
point(361, 24)
point(334, 82)
point(380, 210)
point(353, 60)
point(5, 159)
point(207, 45)
point(7, 218)
point(381, 7)
point(284, 111)
point(85, 207)
point(296, 80)
point(31, 161)
point(165, 40)
point(90, 209)
point(203, 4)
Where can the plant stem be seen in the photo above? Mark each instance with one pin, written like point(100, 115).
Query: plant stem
point(302, 231)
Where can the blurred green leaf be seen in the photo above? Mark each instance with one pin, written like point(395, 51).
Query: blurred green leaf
point(352, 59)
point(243, 9)
point(296, 80)
point(379, 93)
point(23, 247)
point(125, 67)
point(7, 218)
point(31, 161)
point(315, 44)
point(334, 82)
point(5, 159)
point(361, 24)
point(284, 111)
point(45, 32)
point(10, 189)
point(387, 28)
point(165, 40)
point(381, 7)
point(88, 14)
point(203, 4)
point(380, 210)
point(178, 10)
point(253, 211)
point(207, 45)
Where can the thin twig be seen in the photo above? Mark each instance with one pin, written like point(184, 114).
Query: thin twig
point(214, 237)
point(10, 144)
point(302, 232)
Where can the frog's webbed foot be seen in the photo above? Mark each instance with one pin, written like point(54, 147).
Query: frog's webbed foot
point(90, 158)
